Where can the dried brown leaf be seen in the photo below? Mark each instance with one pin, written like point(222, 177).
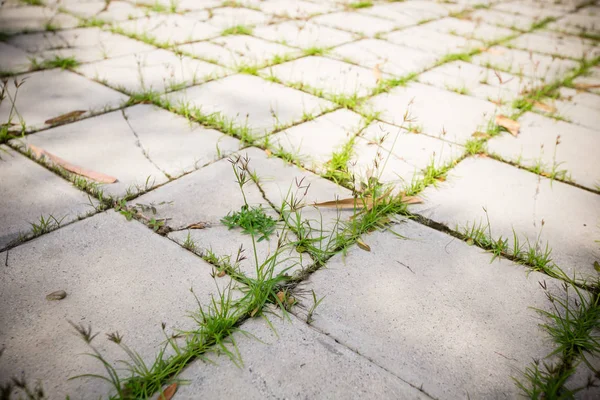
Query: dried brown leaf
point(197, 225)
point(544, 107)
point(341, 203)
point(377, 73)
point(96, 176)
point(221, 273)
point(65, 117)
point(411, 199)
point(481, 135)
point(168, 393)
point(268, 152)
point(363, 245)
point(509, 124)
point(584, 86)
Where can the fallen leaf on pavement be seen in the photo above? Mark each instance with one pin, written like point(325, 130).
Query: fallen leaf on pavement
point(268, 152)
point(197, 225)
point(65, 117)
point(58, 295)
point(509, 124)
point(481, 135)
point(363, 245)
point(544, 107)
point(281, 296)
point(584, 86)
point(168, 393)
point(96, 176)
point(377, 73)
point(221, 273)
point(342, 203)
point(411, 199)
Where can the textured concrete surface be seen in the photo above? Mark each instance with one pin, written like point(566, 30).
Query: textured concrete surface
point(328, 99)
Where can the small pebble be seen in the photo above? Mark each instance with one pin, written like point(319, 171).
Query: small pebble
point(58, 295)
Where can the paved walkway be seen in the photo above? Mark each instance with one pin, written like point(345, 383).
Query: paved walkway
point(368, 199)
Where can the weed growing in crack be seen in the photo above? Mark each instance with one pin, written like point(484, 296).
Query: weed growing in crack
point(45, 225)
point(7, 127)
point(56, 62)
point(237, 30)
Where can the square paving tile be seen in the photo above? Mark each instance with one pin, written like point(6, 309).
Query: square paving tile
point(356, 22)
point(101, 10)
point(520, 200)
point(171, 29)
point(424, 38)
point(83, 44)
point(391, 58)
point(584, 20)
point(228, 17)
point(251, 101)
point(433, 111)
point(543, 9)
point(52, 93)
point(556, 44)
point(295, 8)
point(483, 83)
point(244, 49)
point(540, 66)
point(514, 21)
point(13, 59)
point(379, 308)
point(140, 146)
point(297, 347)
point(416, 10)
point(158, 70)
point(590, 80)
point(30, 191)
point(581, 108)
point(31, 18)
point(469, 29)
point(303, 34)
point(391, 12)
point(331, 76)
point(314, 142)
point(118, 275)
point(536, 143)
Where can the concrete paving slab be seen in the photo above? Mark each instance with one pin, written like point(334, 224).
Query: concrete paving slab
point(296, 346)
point(355, 22)
point(389, 11)
point(584, 20)
point(513, 21)
point(118, 275)
point(29, 191)
point(303, 34)
point(423, 38)
point(314, 142)
point(261, 105)
point(388, 57)
point(580, 108)
point(542, 9)
point(110, 12)
point(246, 49)
point(204, 196)
point(157, 70)
point(416, 149)
point(520, 62)
point(171, 29)
point(433, 111)
point(141, 146)
point(195, 5)
point(418, 11)
point(228, 17)
point(537, 143)
point(332, 76)
point(13, 59)
point(520, 200)
point(556, 44)
point(589, 80)
point(226, 244)
point(378, 304)
point(33, 19)
point(52, 93)
point(484, 83)
point(82, 44)
point(469, 29)
point(295, 8)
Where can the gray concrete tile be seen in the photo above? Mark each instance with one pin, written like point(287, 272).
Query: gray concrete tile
point(536, 144)
point(469, 29)
point(13, 59)
point(495, 17)
point(142, 146)
point(303, 34)
point(584, 20)
point(244, 49)
point(390, 58)
point(101, 10)
point(259, 104)
point(118, 275)
point(424, 38)
point(314, 142)
point(171, 29)
point(556, 44)
point(31, 18)
point(332, 76)
point(592, 78)
point(83, 44)
point(356, 22)
point(228, 17)
point(539, 66)
point(296, 346)
point(52, 93)
point(434, 111)
point(379, 308)
point(157, 70)
point(580, 108)
point(29, 191)
point(520, 200)
point(295, 8)
point(543, 9)
point(416, 11)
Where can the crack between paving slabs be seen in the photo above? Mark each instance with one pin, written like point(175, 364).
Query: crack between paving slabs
point(138, 143)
